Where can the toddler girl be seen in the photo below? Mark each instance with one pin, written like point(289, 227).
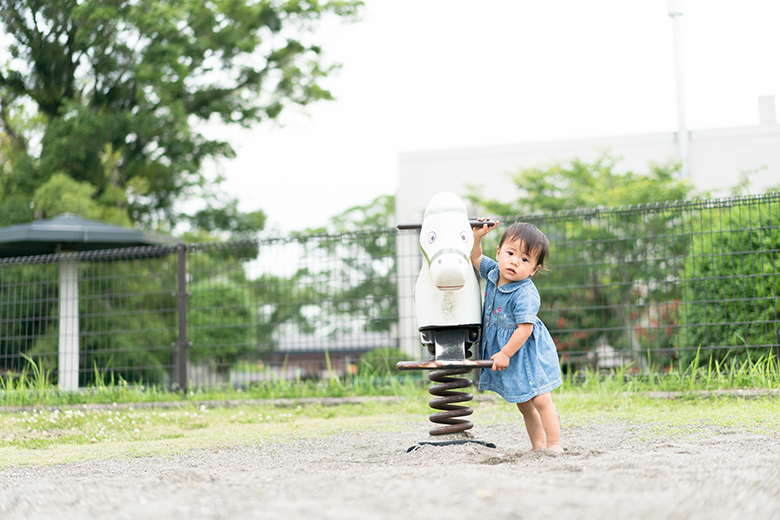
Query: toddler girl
point(525, 362)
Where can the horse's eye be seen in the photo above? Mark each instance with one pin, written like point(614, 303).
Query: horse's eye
point(431, 237)
point(464, 236)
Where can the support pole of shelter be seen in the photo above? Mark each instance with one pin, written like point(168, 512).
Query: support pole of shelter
point(68, 367)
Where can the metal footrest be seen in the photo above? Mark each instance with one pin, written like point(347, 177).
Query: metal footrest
point(433, 364)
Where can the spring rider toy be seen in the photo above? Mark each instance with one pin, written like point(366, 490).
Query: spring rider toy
point(448, 307)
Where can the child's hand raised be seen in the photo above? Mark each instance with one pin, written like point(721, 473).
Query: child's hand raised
point(480, 232)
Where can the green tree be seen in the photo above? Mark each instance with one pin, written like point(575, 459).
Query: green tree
point(127, 324)
point(361, 290)
point(232, 317)
point(62, 194)
point(579, 184)
point(731, 283)
point(111, 93)
point(604, 283)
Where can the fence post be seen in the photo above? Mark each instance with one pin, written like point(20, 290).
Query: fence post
point(181, 361)
point(68, 353)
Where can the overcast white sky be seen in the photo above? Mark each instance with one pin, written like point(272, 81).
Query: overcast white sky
point(423, 75)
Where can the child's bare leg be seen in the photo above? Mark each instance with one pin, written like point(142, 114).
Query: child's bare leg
point(533, 423)
point(550, 421)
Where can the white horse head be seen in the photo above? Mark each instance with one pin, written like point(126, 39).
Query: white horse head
point(446, 241)
point(447, 291)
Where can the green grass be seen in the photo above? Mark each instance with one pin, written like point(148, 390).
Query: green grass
point(41, 436)
point(40, 424)
point(698, 376)
point(33, 387)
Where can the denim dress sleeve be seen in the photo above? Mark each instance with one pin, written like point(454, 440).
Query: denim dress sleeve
point(486, 265)
point(526, 306)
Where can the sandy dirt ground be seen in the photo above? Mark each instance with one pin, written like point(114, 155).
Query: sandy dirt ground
point(608, 471)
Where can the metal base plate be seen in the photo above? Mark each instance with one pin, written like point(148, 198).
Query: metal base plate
point(448, 443)
point(449, 440)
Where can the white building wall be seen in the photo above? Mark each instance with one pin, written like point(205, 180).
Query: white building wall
point(716, 159)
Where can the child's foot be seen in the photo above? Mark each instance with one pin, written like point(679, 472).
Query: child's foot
point(557, 448)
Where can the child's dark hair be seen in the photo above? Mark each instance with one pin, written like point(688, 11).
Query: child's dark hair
point(533, 240)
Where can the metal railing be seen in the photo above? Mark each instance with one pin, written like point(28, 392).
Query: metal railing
point(648, 286)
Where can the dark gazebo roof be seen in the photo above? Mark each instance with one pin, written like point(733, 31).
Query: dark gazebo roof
point(69, 232)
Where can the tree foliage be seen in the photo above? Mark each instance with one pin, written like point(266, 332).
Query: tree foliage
point(604, 282)
point(731, 283)
point(111, 93)
point(363, 289)
point(579, 184)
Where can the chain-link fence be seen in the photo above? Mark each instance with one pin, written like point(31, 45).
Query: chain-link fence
point(658, 285)
point(649, 286)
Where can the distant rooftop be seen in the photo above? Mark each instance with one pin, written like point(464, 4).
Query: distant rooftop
point(360, 341)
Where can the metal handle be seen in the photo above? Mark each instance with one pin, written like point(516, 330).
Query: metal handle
point(474, 223)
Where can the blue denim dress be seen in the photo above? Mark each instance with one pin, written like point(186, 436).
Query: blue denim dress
point(534, 369)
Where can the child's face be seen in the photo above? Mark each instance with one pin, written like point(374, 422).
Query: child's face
point(515, 262)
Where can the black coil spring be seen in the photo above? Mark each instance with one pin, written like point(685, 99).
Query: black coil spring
point(447, 399)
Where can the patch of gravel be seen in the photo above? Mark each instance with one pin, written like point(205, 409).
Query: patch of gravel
point(612, 470)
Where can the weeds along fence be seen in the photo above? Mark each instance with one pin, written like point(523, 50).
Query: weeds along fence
point(653, 287)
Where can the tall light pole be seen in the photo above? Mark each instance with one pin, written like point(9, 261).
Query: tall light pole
point(675, 8)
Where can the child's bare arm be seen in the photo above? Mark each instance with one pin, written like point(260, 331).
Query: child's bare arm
point(479, 232)
point(518, 339)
